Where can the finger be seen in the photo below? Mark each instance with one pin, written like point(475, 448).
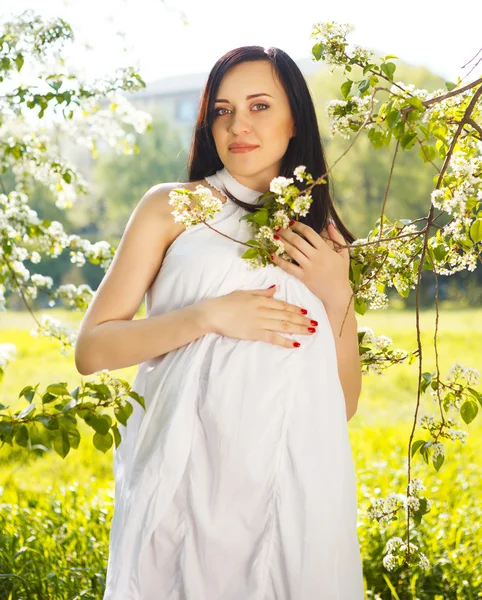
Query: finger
point(287, 266)
point(307, 232)
point(337, 238)
point(302, 259)
point(294, 240)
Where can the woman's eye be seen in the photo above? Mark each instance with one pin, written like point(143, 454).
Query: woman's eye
point(217, 113)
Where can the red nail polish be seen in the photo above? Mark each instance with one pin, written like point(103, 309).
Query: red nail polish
point(276, 237)
point(272, 286)
point(272, 256)
point(296, 344)
point(277, 228)
point(314, 322)
point(304, 311)
point(292, 223)
point(311, 329)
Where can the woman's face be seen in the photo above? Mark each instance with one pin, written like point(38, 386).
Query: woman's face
point(264, 121)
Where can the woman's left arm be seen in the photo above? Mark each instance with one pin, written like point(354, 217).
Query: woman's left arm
point(324, 268)
point(347, 353)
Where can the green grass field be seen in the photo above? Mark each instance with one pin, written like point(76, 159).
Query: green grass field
point(55, 514)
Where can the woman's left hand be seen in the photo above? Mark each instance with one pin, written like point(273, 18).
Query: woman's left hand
point(323, 266)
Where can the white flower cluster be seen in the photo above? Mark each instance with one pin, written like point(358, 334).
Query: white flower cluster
point(54, 329)
point(301, 204)
point(300, 172)
point(383, 509)
point(457, 371)
point(445, 430)
point(416, 485)
point(37, 160)
point(332, 37)
point(396, 551)
point(347, 116)
point(361, 55)
point(17, 221)
point(77, 297)
point(395, 270)
point(281, 219)
point(99, 252)
point(438, 449)
point(8, 353)
point(195, 207)
point(377, 357)
point(464, 181)
point(279, 185)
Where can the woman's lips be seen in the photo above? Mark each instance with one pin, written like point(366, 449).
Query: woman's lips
point(242, 150)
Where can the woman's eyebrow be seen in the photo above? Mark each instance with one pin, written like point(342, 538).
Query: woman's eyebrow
point(247, 97)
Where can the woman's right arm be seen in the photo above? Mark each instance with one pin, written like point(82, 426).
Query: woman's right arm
point(108, 337)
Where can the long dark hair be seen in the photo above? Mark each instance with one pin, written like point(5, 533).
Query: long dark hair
point(303, 149)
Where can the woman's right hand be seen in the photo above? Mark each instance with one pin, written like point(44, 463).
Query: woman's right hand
point(256, 315)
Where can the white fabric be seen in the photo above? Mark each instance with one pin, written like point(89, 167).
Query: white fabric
point(237, 483)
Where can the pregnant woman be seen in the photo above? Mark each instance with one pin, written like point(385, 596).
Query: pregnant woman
point(237, 481)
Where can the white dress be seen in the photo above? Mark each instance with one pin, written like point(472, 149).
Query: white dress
point(237, 482)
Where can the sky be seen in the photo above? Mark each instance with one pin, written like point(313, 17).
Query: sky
point(153, 34)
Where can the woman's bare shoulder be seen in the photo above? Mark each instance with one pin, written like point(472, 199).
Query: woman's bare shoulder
point(158, 194)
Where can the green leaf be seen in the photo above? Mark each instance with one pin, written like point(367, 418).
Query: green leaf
point(408, 139)
point(377, 138)
point(260, 216)
point(103, 442)
point(61, 443)
point(426, 379)
point(26, 411)
point(416, 103)
point(437, 461)
point(360, 305)
point(416, 446)
point(476, 230)
point(250, 253)
point(425, 450)
point(414, 115)
point(346, 87)
point(117, 436)
point(389, 69)
point(21, 436)
point(57, 389)
point(101, 390)
point(317, 50)
point(19, 61)
point(70, 404)
point(122, 413)
point(468, 411)
point(99, 424)
point(138, 398)
point(423, 509)
point(28, 392)
point(399, 130)
point(476, 395)
point(364, 85)
point(427, 153)
point(449, 85)
point(392, 117)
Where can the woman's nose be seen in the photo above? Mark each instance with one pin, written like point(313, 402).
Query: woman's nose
point(239, 125)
